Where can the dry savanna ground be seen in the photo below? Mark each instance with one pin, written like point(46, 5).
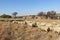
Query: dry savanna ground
point(14, 31)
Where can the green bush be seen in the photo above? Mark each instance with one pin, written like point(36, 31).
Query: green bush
point(5, 16)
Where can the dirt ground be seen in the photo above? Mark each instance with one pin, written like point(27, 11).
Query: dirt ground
point(14, 31)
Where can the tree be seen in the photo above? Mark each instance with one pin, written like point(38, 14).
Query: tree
point(41, 14)
point(14, 14)
point(5, 16)
point(33, 16)
point(51, 14)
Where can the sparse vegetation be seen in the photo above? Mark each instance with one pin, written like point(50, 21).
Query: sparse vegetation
point(24, 32)
point(48, 29)
point(18, 31)
point(5, 16)
point(14, 14)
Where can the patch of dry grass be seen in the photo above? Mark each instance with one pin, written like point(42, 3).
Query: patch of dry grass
point(13, 31)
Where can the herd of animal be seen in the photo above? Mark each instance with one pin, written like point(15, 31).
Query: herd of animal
point(42, 25)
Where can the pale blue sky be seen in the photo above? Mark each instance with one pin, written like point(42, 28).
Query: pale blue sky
point(28, 7)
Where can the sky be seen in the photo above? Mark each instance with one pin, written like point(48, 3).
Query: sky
point(28, 7)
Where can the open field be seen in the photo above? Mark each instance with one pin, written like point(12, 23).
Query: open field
point(17, 31)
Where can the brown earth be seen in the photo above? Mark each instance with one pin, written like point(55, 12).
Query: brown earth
point(10, 31)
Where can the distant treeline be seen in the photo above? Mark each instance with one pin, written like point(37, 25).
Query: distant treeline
point(9, 16)
point(49, 14)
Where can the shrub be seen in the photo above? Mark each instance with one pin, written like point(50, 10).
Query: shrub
point(48, 29)
point(34, 25)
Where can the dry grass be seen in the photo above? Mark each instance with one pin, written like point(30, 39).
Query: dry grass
point(13, 31)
